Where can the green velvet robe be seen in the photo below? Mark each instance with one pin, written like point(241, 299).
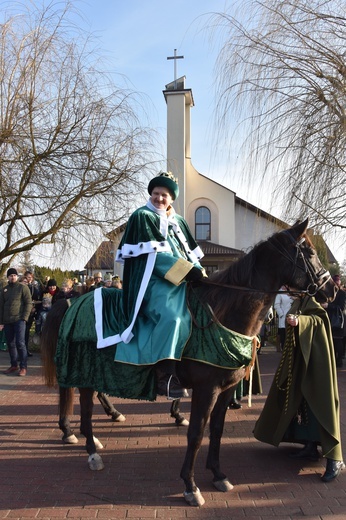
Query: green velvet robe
point(314, 383)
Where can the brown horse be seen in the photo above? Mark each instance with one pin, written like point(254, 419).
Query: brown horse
point(238, 298)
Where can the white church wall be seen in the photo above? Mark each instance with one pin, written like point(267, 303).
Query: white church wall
point(251, 227)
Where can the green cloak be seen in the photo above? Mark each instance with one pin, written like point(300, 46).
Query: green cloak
point(306, 373)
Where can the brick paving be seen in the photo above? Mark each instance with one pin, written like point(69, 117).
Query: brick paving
point(44, 479)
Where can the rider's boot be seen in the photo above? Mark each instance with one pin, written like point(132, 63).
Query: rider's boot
point(168, 383)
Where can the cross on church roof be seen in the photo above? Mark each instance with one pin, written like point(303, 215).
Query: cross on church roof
point(175, 58)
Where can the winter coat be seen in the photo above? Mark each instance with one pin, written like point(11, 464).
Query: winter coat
point(282, 305)
point(15, 303)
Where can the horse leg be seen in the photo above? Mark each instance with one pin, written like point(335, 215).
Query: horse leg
point(66, 398)
point(86, 399)
point(202, 404)
point(175, 413)
point(109, 408)
point(217, 421)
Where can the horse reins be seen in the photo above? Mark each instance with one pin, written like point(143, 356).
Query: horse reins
point(206, 281)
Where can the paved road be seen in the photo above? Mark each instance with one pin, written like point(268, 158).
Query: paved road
point(44, 479)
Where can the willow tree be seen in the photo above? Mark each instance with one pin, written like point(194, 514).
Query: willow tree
point(281, 74)
point(72, 150)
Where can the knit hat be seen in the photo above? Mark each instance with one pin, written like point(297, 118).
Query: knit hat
point(51, 282)
point(11, 270)
point(165, 180)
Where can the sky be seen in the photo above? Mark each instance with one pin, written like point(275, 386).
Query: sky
point(136, 37)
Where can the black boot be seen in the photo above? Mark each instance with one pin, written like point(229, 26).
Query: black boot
point(234, 403)
point(309, 452)
point(333, 469)
point(169, 385)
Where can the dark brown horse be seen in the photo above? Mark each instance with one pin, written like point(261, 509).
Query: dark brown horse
point(238, 298)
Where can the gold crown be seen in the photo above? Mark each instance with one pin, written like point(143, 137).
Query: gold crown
point(169, 175)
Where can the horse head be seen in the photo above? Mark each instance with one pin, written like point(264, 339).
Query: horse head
point(304, 272)
point(241, 295)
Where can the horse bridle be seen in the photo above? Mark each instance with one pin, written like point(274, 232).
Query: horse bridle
point(315, 284)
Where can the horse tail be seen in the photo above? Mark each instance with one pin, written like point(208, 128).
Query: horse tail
point(49, 340)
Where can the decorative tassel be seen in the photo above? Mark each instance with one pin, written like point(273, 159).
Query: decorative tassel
point(250, 367)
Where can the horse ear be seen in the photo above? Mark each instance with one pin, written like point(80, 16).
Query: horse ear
point(299, 229)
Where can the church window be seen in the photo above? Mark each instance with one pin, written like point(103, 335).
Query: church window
point(203, 223)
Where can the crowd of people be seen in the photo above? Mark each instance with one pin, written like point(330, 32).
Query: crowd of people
point(25, 303)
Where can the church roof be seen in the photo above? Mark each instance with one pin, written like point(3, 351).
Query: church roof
point(330, 256)
point(210, 249)
point(103, 258)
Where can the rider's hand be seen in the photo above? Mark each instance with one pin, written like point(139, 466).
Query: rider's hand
point(194, 275)
point(292, 319)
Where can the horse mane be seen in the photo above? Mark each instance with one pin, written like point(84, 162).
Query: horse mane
point(239, 272)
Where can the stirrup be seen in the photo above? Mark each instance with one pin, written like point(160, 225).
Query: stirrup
point(174, 389)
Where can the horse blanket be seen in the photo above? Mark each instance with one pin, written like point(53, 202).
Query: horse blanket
point(80, 364)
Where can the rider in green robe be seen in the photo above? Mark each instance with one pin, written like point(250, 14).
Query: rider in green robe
point(159, 256)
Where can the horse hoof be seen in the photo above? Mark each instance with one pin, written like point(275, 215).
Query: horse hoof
point(223, 485)
point(95, 462)
point(71, 439)
point(98, 444)
point(194, 498)
point(182, 422)
point(118, 417)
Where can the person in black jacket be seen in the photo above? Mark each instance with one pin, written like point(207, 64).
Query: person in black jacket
point(335, 311)
point(15, 309)
point(67, 291)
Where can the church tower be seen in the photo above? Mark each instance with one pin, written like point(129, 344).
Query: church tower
point(179, 102)
point(199, 197)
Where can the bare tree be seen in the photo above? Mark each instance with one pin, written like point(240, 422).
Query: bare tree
point(72, 150)
point(281, 72)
